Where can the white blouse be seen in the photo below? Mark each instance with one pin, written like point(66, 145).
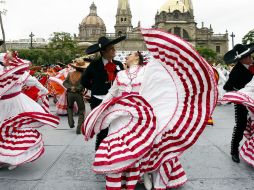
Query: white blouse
point(128, 81)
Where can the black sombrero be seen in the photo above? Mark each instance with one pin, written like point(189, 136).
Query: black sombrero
point(102, 43)
point(239, 51)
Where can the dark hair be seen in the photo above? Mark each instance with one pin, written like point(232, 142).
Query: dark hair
point(141, 58)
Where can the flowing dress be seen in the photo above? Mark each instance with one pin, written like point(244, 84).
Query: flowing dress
point(156, 116)
point(20, 142)
point(245, 96)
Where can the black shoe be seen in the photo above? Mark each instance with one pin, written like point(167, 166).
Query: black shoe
point(72, 126)
point(78, 131)
point(235, 158)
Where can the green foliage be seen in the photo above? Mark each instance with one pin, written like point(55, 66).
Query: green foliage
point(208, 54)
point(61, 48)
point(248, 38)
point(62, 40)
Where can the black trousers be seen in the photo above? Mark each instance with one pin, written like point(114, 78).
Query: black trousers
point(241, 114)
point(103, 133)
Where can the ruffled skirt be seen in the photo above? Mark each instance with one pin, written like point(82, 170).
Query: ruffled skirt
point(20, 142)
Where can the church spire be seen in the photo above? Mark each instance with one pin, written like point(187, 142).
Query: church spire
point(123, 18)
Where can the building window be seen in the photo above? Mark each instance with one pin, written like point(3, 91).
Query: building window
point(185, 35)
point(120, 33)
point(176, 16)
point(177, 31)
point(217, 49)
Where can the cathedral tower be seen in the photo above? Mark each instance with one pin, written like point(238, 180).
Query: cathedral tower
point(176, 16)
point(123, 18)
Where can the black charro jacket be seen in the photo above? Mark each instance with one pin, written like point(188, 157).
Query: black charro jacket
point(95, 77)
point(238, 78)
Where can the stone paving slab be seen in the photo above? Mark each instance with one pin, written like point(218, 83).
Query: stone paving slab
point(207, 162)
point(58, 137)
point(75, 164)
point(17, 185)
point(34, 170)
point(70, 185)
point(219, 184)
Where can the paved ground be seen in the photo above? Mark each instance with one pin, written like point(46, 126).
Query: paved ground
point(67, 160)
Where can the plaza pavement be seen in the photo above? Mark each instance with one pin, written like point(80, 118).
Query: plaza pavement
point(66, 164)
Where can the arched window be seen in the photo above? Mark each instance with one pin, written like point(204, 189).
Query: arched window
point(185, 35)
point(120, 33)
point(177, 31)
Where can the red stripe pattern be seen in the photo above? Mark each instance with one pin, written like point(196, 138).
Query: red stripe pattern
point(129, 142)
point(12, 76)
point(245, 97)
point(197, 94)
point(17, 136)
point(19, 141)
point(45, 103)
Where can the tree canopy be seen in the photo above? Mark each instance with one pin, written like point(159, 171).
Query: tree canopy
point(61, 48)
point(248, 38)
point(208, 54)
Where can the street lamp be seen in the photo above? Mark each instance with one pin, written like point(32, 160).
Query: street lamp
point(31, 42)
point(232, 36)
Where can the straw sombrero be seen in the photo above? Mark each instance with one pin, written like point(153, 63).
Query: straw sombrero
point(80, 63)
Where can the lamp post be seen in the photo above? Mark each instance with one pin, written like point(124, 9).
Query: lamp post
point(232, 36)
point(1, 23)
point(31, 41)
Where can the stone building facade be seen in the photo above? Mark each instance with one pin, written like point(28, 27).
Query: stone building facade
point(175, 16)
point(92, 26)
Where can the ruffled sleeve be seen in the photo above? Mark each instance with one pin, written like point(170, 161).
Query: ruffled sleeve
point(113, 91)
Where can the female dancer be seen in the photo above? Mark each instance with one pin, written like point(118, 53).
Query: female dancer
point(19, 141)
point(154, 113)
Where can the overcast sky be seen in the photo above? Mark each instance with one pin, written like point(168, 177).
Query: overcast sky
point(43, 17)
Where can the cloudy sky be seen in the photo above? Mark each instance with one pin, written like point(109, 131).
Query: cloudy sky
point(43, 17)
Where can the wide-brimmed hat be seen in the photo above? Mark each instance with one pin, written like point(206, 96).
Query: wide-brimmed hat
point(102, 43)
point(80, 63)
point(238, 52)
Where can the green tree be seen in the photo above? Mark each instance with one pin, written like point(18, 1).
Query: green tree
point(63, 47)
point(207, 53)
point(248, 38)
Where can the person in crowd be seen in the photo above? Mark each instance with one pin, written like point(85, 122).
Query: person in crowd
point(20, 141)
point(239, 76)
point(75, 92)
point(100, 74)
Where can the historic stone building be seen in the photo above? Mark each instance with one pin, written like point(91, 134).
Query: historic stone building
point(175, 16)
point(92, 26)
point(123, 18)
